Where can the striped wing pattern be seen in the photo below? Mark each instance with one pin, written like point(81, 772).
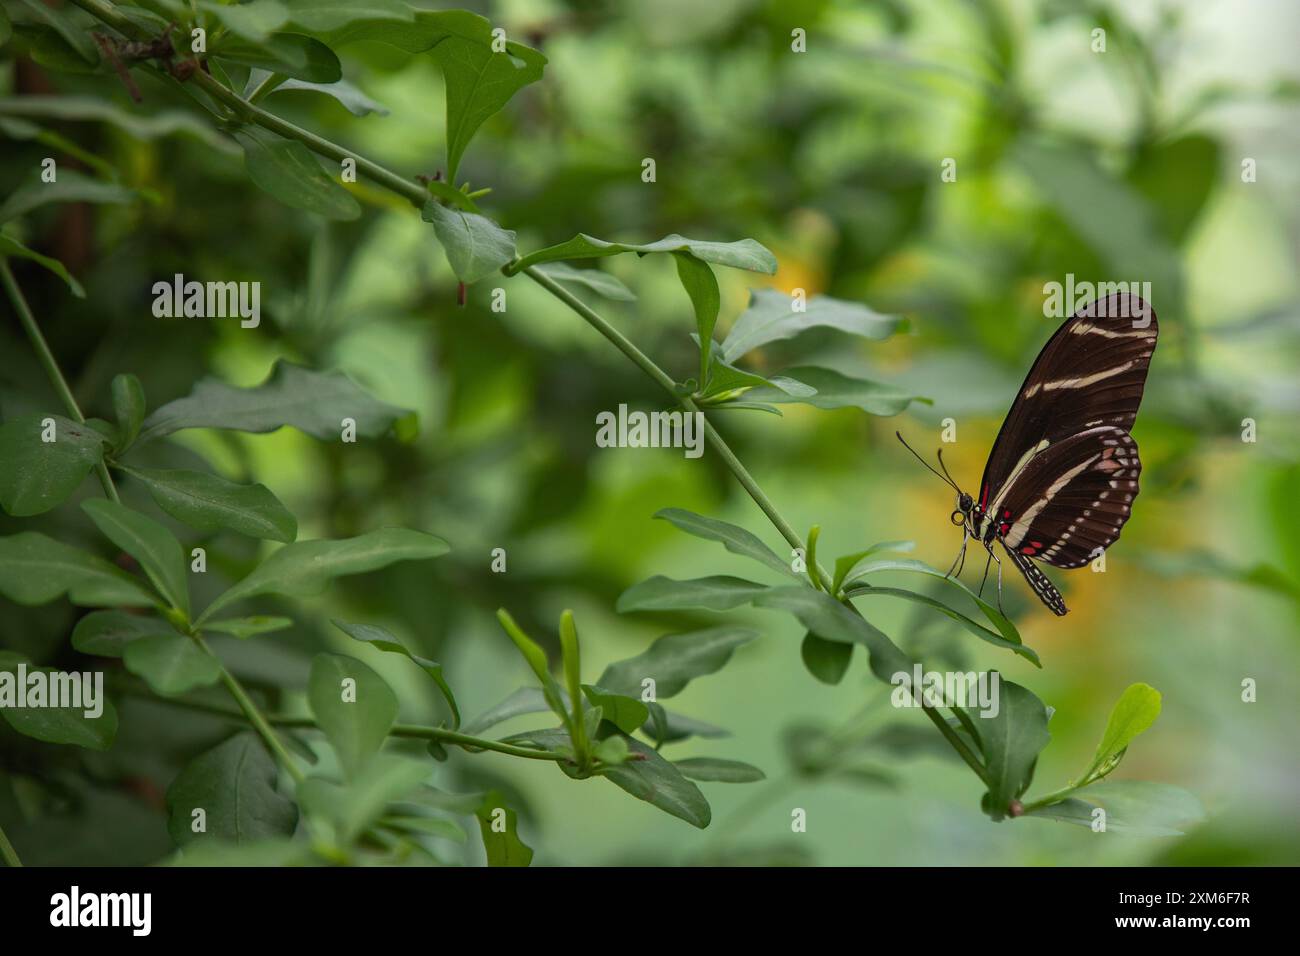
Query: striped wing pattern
point(1061, 479)
point(1091, 372)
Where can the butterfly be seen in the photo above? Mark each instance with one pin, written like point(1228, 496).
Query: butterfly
point(1062, 477)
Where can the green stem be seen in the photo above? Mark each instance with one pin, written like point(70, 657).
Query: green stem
point(418, 195)
point(255, 716)
point(414, 731)
point(1056, 796)
point(51, 366)
point(7, 851)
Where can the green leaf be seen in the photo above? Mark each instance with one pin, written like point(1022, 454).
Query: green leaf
point(973, 626)
point(771, 317)
point(37, 475)
point(287, 170)
point(234, 784)
point(129, 407)
point(1134, 712)
point(832, 621)
point(834, 390)
point(645, 775)
point(298, 56)
point(170, 664)
point(611, 751)
point(735, 539)
point(844, 564)
point(11, 247)
point(71, 186)
point(209, 503)
point(999, 620)
point(475, 245)
point(352, 99)
point(674, 660)
point(713, 769)
point(745, 254)
point(1010, 742)
point(525, 700)
point(350, 809)
point(451, 195)
point(602, 283)
point(625, 713)
point(427, 825)
point(56, 725)
point(571, 659)
point(254, 21)
point(827, 661)
point(158, 552)
point(107, 633)
point(305, 568)
point(536, 658)
point(353, 706)
point(701, 285)
point(499, 826)
point(1132, 807)
point(151, 125)
point(324, 16)
point(715, 593)
point(649, 777)
point(67, 25)
point(726, 384)
point(479, 81)
point(311, 401)
point(385, 641)
point(246, 627)
point(667, 726)
point(36, 569)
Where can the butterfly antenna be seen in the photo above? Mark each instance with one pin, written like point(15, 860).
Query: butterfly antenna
point(942, 477)
point(939, 455)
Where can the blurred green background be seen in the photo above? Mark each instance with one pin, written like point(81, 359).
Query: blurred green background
point(1122, 165)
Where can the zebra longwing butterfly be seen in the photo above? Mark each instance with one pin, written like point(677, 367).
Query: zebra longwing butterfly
point(1063, 473)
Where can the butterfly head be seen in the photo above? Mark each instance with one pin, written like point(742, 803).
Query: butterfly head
point(965, 508)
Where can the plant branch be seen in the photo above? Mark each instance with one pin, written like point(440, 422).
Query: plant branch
point(416, 731)
point(738, 469)
point(418, 195)
point(51, 365)
point(251, 711)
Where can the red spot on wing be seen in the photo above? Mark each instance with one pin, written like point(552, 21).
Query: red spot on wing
point(1028, 549)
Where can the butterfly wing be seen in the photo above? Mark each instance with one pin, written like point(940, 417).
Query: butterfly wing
point(1069, 503)
point(1091, 372)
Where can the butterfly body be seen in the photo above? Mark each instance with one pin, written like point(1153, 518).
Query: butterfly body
point(1063, 472)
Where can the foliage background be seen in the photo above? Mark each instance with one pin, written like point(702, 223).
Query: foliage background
point(1118, 166)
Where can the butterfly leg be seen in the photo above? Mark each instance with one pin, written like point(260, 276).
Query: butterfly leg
point(984, 580)
point(959, 562)
point(991, 558)
point(999, 561)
